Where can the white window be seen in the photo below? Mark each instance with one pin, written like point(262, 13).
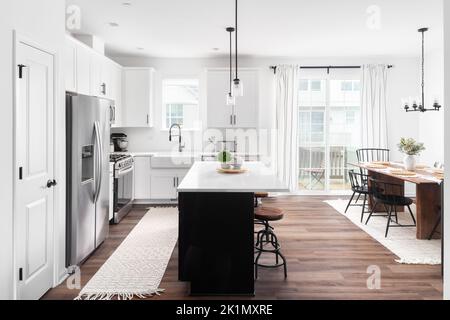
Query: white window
point(181, 103)
point(316, 85)
point(329, 126)
point(348, 85)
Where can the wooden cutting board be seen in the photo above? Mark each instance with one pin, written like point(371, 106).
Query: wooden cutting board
point(231, 171)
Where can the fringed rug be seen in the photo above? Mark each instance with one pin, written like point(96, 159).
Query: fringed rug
point(400, 241)
point(136, 268)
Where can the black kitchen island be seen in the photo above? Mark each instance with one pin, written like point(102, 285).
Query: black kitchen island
point(216, 224)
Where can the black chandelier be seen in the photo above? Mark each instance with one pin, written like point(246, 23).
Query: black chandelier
point(421, 107)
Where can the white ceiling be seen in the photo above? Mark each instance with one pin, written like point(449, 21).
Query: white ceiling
point(283, 28)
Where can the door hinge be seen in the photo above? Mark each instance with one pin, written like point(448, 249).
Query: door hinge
point(21, 173)
point(20, 274)
point(21, 66)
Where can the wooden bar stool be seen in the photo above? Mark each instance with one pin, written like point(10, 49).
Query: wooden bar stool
point(266, 240)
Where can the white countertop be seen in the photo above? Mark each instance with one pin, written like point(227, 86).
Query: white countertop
point(203, 177)
point(179, 154)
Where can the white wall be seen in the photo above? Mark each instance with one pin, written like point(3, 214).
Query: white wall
point(42, 22)
point(431, 124)
point(447, 149)
point(403, 82)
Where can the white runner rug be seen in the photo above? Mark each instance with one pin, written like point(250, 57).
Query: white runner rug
point(400, 241)
point(137, 267)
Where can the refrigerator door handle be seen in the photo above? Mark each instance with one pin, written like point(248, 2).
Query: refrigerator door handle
point(99, 175)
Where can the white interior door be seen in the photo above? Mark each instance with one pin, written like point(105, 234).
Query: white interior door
point(34, 211)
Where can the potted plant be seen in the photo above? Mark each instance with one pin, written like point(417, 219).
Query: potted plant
point(412, 149)
point(225, 158)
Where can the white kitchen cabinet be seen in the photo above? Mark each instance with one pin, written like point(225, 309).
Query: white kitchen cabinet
point(153, 185)
point(116, 95)
point(90, 73)
point(164, 185)
point(245, 113)
point(137, 97)
point(247, 106)
point(97, 90)
point(219, 114)
point(70, 65)
point(83, 78)
point(142, 178)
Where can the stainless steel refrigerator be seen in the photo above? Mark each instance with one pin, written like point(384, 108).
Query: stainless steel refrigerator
point(88, 134)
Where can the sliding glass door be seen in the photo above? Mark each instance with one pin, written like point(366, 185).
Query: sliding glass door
point(329, 132)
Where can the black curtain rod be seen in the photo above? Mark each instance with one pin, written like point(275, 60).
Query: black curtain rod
point(274, 68)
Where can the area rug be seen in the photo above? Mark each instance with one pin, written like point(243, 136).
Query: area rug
point(400, 241)
point(136, 268)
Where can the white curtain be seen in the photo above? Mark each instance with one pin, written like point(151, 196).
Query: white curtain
point(287, 87)
point(373, 106)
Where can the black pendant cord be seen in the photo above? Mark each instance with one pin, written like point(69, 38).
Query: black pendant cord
point(230, 30)
point(236, 38)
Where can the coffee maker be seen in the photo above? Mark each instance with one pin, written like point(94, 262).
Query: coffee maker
point(120, 141)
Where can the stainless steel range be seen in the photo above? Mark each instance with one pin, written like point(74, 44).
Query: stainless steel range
point(123, 185)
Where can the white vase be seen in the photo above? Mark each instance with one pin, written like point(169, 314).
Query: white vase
point(410, 163)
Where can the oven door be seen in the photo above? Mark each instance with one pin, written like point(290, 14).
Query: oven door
point(123, 193)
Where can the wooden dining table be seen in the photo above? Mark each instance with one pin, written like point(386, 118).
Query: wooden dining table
point(428, 192)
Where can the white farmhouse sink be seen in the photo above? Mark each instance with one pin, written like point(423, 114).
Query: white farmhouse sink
point(171, 161)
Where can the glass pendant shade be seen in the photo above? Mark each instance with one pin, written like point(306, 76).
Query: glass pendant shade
point(231, 100)
point(238, 88)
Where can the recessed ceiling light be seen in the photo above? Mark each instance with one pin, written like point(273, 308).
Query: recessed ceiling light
point(126, 4)
point(113, 24)
point(216, 49)
point(140, 48)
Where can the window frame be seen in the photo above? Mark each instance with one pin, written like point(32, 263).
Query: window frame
point(352, 78)
point(165, 104)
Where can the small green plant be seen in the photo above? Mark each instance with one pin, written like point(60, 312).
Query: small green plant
point(410, 147)
point(224, 157)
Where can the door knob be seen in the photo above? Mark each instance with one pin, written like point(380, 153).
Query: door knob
point(51, 183)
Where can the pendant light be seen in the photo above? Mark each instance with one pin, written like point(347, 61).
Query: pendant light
point(238, 87)
point(231, 100)
point(421, 107)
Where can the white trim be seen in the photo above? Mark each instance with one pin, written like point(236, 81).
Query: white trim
point(446, 114)
point(17, 39)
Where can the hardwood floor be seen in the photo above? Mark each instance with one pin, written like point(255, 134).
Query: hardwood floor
point(327, 258)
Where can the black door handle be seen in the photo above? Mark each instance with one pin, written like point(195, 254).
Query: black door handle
point(51, 183)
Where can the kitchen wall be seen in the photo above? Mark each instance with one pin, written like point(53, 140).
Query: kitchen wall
point(42, 22)
point(403, 83)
